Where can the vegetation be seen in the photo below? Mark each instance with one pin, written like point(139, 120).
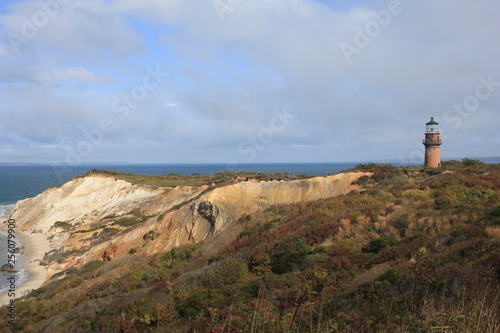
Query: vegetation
point(407, 252)
point(174, 179)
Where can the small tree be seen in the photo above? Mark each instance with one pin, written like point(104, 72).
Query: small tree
point(469, 162)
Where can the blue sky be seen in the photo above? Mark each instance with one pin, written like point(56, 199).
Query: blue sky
point(246, 81)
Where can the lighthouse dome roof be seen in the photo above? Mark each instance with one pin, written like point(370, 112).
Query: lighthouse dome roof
point(432, 122)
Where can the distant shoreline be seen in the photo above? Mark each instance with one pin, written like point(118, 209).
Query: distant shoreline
point(488, 159)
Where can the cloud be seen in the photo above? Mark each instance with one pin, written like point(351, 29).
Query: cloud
point(229, 70)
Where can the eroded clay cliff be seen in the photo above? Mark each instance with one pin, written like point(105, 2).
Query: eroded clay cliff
point(172, 215)
point(88, 199)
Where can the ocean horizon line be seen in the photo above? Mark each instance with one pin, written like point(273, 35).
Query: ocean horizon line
point(28, 180)
point(399, 162)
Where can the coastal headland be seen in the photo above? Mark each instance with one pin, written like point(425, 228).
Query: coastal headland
point(104, 215)
point(376, 248)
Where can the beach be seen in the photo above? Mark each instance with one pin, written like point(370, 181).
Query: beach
point(34, 247)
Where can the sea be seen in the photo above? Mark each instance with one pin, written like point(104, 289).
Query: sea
point(18, 182)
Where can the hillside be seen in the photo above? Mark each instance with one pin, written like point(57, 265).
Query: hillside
point(378, 249)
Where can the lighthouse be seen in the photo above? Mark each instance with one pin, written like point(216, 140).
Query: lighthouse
point(432, 144)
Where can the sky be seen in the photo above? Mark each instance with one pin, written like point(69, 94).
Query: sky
point(246, 81)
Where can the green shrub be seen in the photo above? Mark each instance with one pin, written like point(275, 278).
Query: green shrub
point(290, 255)
point(108, 232)
point(142, 310)
point(494, 215)
point(128, 222)
point(150, 236)
point(416, 194)
point(180, 253)
point(193, 306)
point(63, 225)
point(91, 266)
point(377, 245)
point(469, 162)
point(142, 275)
point(393, 275)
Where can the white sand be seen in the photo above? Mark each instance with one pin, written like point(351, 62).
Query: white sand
point(34, 247)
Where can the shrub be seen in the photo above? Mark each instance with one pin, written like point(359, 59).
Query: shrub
point(377, 245)
point(142, 275)
point(289, 255)
point(91, 266)
point(319, 233)
point(193, 306)
point(108, 232)
point(245, 218)
point(150, 236)
point(494, 215)
point(216, 275)
point(260, 263)
point(393, 275)
point(469, 162)
point(142, 310)
point(178, 254)
point(416, 194)
point(63, 225)
point(128, 222)
point(464, 233)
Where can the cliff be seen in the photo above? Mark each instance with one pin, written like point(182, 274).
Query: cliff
point(89, 199)
point(89, 212)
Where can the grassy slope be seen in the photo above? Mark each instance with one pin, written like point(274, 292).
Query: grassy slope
point(416, 253)
point(174, 179)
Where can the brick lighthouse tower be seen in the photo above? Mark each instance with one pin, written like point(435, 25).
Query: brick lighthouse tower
point(432, 144)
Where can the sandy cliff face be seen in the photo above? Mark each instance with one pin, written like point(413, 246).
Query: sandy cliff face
point(88, 199)
point(250, 196)
point(181, 215)
point(214, 212)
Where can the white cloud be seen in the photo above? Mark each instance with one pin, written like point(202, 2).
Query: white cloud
point(226, 76)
